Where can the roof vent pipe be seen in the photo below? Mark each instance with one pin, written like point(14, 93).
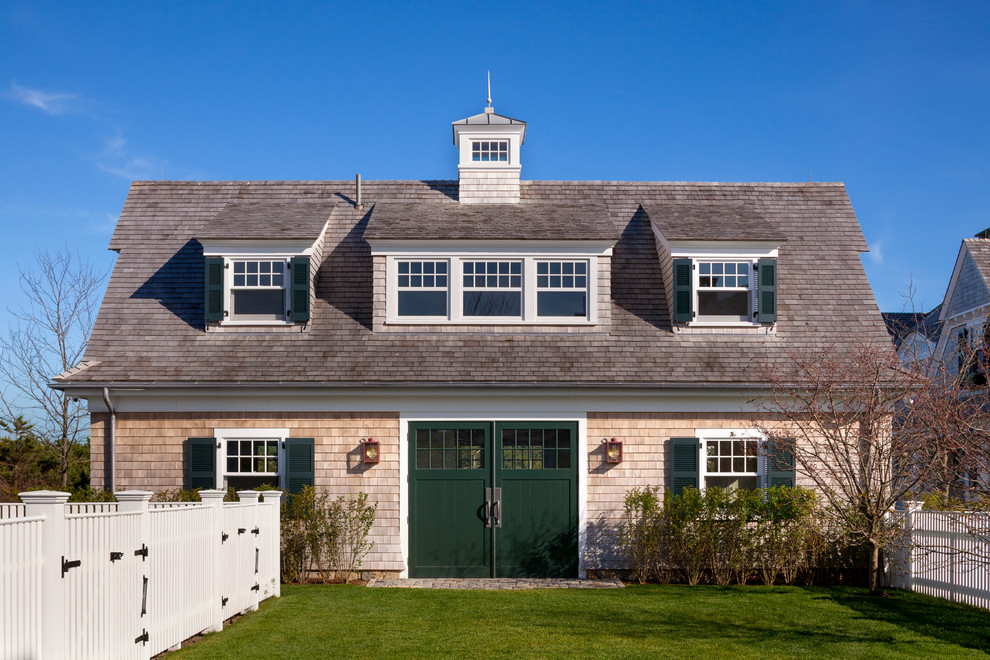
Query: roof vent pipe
point(359, 205)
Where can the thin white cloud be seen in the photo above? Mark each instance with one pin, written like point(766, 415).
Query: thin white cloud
point(118, 159)
point(875, 254)
point(51, 103)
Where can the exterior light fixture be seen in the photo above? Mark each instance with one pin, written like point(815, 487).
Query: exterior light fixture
point(613, 451)
point(369, 451)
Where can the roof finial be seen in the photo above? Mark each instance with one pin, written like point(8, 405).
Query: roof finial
point(489, 108)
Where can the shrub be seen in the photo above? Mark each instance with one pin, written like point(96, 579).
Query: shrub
point(639, 536)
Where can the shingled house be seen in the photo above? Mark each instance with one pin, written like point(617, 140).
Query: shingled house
point(495, 361)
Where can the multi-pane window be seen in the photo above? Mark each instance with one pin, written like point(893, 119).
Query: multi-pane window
point(490, 150)
point(252, 456)
point(536, 449)
point(492, 288)
point(562, 288)
point(724, 290)
point(258, 289)
point(732, 463)
point(422, 287)
point(450, 449)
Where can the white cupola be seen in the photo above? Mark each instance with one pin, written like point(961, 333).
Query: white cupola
point(488, 144)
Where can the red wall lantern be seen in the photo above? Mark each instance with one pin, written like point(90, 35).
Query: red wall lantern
point(613, 451)
point(369, 451)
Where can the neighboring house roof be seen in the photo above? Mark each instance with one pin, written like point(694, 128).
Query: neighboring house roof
point(711, 222)
point(150, 329)
point(285, 219)
point(979, 249)
point(534, 220)
point(901, 324)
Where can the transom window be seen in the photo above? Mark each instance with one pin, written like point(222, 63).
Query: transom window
point(562, 288)
point(492, 288)
point(732, 463)
point(422, 288)
point(450, 449)
point(496, 150)
point(258, 289)
point(536, 449)
point(724, 290)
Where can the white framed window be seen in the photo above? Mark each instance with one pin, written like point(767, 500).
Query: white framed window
point(257, 290)
point(422, 287)
point(492, 288)
point(489, 289)
point(483, 151)
point(732, 459)
point(249, 458)
point(724, 290)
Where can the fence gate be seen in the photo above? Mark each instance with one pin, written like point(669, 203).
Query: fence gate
point(105, 574)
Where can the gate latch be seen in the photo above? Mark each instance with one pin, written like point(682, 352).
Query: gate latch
point(223, 601)
point(66, 565)
point(143, 637)
point(224, 536)
point(256, 587)
point(114, 556)
point(142, 552)
point(256, 531)
point(241, 530)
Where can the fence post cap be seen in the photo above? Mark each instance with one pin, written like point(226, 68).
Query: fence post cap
point(133, 495)
point(44, 497)
point(272, 495)
point(212, 495)
point(248, 496)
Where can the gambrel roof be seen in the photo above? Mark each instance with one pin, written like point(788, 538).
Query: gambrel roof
point(150, 329)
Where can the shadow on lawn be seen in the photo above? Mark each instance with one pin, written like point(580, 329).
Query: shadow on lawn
point(950, 622)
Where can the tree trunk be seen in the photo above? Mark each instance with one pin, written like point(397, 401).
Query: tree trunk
point(874, 569)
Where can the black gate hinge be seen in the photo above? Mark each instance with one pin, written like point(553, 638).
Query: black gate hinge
point(142, 552)
point(223, 601)
point(241, 530)
point(224, 536)
point(143, 637)
point(256, 587)
point(66, 565)
point(256, 531)
point(114, 556)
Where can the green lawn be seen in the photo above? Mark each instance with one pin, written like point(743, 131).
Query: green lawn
point(654, 621)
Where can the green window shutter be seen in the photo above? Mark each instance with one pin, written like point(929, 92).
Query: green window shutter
point(767, 305)
point(683, 464)
point(683, 295)
point(300, 463)
point(780, 462)
point(214, 289)
point(201, 463)
point(299, 289)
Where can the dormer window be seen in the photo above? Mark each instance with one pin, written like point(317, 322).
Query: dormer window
point(724, 292)
point(257, 290)
point(490, 150)
point(493, 288)
point(422, 287)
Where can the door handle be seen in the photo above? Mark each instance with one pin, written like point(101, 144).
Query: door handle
point(486, 508)
point(497, 508)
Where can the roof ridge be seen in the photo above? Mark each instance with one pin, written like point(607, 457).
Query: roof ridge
point(789, 184)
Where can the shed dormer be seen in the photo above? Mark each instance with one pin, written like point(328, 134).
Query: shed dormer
point(489, 167)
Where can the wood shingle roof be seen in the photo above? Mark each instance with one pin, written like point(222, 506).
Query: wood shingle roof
point(150, 328)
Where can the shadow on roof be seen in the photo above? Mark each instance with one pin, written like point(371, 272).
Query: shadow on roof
point(637, 281)
point(178, 285)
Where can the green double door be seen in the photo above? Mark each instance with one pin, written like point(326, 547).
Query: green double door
point(493, 499)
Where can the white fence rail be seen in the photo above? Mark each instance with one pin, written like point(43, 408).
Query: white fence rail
point(133, 579)
point(948, 555)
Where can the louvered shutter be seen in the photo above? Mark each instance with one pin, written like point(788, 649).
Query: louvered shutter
point(767, 306)
point(201, 463)
point(780, 462)
point(683, 464)
point(214, 289)
point(300, 463)
point(299, 289)
point(683, 296)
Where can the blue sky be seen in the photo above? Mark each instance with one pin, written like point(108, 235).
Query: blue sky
point(891, 98)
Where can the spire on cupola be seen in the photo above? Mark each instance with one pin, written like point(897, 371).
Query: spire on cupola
point(489, 168)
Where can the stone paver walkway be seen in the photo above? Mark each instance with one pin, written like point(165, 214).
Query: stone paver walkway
point(497, 583)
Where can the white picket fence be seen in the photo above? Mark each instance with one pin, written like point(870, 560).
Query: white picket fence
point(133, 579)
point(947, 554)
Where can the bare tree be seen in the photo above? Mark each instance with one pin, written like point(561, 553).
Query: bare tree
point(48, 337)
point(867, 431)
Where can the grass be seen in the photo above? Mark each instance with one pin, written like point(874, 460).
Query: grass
point(638, 621)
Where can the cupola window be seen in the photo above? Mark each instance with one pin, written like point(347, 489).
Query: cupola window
point(491, 150)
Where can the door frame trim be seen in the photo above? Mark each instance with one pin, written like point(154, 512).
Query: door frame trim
point(581, 419)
